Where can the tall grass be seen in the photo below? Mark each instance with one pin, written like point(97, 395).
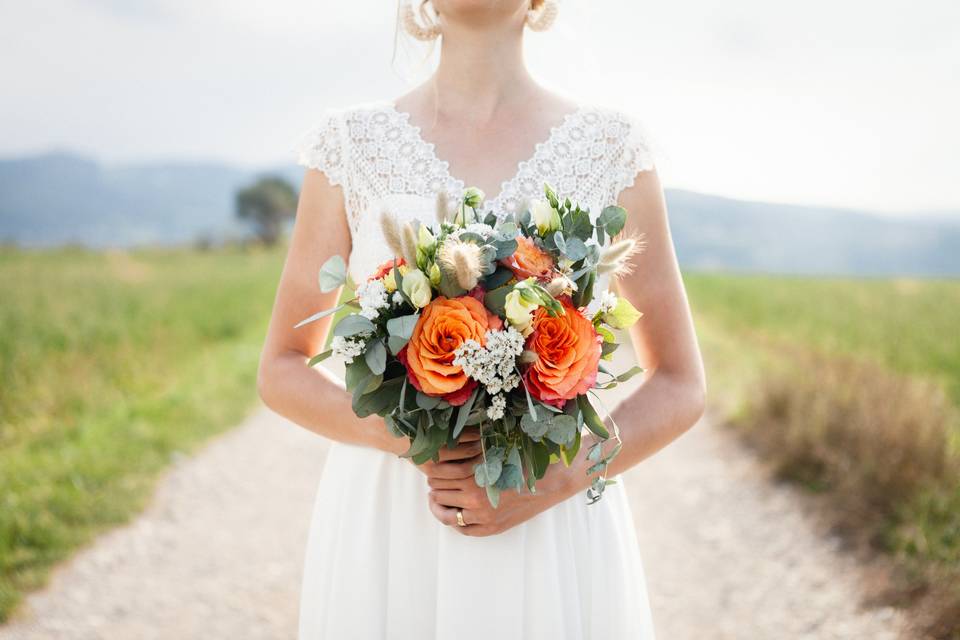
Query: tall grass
point(112, 363)
point(850, 387)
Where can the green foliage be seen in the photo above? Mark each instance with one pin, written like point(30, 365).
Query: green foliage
point(113, 363)
point(851, 387)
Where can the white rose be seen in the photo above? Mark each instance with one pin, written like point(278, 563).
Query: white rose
point(519, 312)
point(417, 287)
point(545, 217)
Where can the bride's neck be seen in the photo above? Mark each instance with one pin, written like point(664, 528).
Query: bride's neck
point(480, 73)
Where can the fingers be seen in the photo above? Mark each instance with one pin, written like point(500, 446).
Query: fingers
point(457, 499)
point(447, 515)
point(456, 485)
point(461, 451)
point(470, 434)
point(452, 470)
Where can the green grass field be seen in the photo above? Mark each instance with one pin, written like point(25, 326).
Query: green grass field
point(852, 388)
point(113, 363)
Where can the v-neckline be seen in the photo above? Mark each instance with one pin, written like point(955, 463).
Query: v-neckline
point(489, 201)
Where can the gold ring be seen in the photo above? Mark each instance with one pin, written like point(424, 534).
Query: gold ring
point(460, 522)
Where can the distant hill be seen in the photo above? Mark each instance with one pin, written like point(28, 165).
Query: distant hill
point(55, 199)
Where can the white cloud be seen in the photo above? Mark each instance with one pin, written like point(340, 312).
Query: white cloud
point(847, 103)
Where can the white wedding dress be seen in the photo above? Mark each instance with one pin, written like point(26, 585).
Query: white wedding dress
point(378, 564)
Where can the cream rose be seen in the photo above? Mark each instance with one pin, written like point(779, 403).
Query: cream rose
point(519, 312)
point(417, 287)
point(545, 217)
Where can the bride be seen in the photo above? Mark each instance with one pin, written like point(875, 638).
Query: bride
point(404, 551)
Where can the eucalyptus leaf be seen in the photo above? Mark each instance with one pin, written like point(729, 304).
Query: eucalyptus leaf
point(426, 402)
point(486, 473)
point(353, 325)
point(402, 326)
point(575, 249)
point(318, 316)
point(333, 274)
point(613, 219)
point(464, 413)
point(376, 356)
point(320, 357)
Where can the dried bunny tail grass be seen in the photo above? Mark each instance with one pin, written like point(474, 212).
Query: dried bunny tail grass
point(616, 258)
point(443, 207)
point(391, 232)
point(408, 242)
point(461, 260)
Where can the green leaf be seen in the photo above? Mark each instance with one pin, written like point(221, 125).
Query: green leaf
point(317, 316)
point(355, 373)
point(495, 301)
point(562, 429)
point(607, 349)
point(396, 344)
point(505, 248)
point(402, 326)
point(493, 495)
point(498, 278)
point(626, 375)
point(510, 477)
point(612, 219)
point(376, 357)
point(464, 413)
point(591, 418)
point(320, 357)
point(353, 325)
point(569, 452)
point(575, 249)
point(487, 473)
point(333, 274)
point(560, 242)
point(427, 402)
point(534, 428)
point(595, 452)
point(623, 315)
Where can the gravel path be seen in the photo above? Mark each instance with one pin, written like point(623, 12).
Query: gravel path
point(217, 555)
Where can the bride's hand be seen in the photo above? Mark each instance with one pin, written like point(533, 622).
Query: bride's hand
point(456, 463)
point(447, 496)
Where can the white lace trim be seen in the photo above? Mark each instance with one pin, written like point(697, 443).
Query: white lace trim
point(373, 151)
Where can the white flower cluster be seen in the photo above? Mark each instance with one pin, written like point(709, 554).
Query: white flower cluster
point(494, 365)
point(372, 297)
point(347, 348)
point(605, 303)
point(498, 406)
point(479, 228)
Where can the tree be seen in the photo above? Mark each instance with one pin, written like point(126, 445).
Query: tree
point(266, 204)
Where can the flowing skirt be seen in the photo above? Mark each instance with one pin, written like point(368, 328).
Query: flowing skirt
point(380, 566)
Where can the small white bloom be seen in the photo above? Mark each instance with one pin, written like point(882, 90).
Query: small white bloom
point(372, 297)
point(498, 406)
point(604, 303)
point(347, 348)
point(494, 365)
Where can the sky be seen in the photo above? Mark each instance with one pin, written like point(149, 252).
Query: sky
point(851, 103)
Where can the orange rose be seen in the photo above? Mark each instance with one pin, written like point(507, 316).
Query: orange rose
point(529, 260)
point(568, 354)
point(443, 326)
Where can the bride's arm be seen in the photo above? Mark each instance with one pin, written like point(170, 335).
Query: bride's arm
point(670, 400)
point(313, 398)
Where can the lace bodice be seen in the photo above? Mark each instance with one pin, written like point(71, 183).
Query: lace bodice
point(380, 160)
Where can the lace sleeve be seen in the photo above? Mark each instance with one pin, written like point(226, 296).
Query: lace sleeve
point(637, 153)
point(323, 147)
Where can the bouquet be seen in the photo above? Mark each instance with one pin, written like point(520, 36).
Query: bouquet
point(490, 323)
